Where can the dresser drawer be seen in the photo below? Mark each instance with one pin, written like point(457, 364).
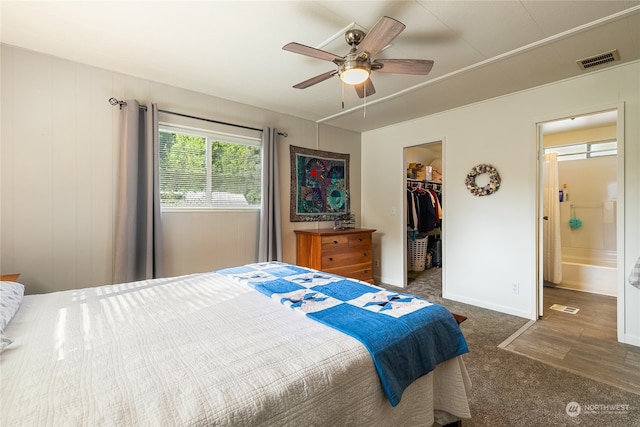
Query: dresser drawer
point(335, 243)
point(343, 259)
point(362, 240)
point(345, 243)
point(357, 271)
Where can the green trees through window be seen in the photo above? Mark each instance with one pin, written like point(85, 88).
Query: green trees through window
point(199, 169)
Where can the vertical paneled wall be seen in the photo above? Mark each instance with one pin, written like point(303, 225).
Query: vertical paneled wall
point(57, 171)
point(59, 154)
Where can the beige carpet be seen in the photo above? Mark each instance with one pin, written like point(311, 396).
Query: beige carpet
point(512, 390)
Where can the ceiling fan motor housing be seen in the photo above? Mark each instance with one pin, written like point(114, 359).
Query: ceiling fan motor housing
point(353, 62)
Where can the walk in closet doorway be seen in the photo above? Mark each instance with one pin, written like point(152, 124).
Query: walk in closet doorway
point(423, 217)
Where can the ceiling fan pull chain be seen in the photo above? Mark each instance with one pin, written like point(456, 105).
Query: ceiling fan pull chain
point(364, 103)
point(342, 86)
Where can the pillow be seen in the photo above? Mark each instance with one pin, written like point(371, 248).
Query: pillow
point(11, 294)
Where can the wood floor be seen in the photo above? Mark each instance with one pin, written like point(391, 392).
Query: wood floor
point(584, 343)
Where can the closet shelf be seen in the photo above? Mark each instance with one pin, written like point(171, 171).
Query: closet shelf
point(413, 183)
point(423, 180)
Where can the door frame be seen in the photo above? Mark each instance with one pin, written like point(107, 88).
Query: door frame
point(405, 209)
point(620, 225)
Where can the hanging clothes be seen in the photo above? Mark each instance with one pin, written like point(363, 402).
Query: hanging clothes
point(438, 205)
point(422, 215)
point(412, 213)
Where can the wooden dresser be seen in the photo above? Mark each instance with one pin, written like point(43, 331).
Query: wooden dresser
point(344, 252)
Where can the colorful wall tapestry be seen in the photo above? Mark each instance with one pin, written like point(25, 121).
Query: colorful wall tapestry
point(319, 185)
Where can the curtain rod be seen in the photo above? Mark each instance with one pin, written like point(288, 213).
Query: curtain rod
point(114, 102)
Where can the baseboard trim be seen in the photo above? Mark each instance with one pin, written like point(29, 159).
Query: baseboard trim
point(632, 340)
point(483, 304)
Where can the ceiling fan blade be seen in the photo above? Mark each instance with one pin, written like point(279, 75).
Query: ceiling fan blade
point(312, 52)
point(385, 30)
point(403, 66)
point(317, 79)
point(360, 89)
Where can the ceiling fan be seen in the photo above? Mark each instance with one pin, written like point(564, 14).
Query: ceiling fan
point(355, 67)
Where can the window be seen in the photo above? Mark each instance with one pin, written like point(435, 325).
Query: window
point(603, 149)
point(584, 150)
point(202, 169)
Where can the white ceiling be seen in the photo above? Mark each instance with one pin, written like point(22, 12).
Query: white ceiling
point(233, 49)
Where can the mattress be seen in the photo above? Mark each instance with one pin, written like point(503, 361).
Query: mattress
point(198, 350)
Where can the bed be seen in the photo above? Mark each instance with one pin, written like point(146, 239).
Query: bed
point(203, 349)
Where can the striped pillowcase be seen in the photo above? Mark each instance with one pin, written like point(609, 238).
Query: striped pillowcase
point(11, 294)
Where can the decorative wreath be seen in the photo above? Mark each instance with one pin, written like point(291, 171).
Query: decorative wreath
point(490, 188)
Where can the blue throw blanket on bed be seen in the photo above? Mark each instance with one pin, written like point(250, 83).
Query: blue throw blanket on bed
point(406, 335)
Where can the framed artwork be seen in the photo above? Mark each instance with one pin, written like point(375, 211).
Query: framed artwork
point(319, 185)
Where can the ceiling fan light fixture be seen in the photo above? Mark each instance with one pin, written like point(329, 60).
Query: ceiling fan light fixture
point(354, 76)
point(355, 72)
point(355, 67)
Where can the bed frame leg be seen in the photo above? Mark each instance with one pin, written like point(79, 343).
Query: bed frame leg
point(454, 424)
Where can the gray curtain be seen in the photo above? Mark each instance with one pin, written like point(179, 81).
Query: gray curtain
point(138, 242)
point(270, 242)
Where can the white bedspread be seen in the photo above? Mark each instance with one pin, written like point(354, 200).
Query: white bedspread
point(198, 350)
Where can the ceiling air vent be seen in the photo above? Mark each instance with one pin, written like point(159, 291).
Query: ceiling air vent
point(599, 59)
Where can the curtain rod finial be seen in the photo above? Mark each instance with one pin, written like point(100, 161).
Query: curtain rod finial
point(113, 101)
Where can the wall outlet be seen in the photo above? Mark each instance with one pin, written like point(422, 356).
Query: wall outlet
point(515, 288)
point(377, 263)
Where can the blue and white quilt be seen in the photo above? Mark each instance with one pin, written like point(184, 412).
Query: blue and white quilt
point(406, 335)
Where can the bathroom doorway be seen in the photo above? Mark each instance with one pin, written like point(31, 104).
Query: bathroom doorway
point(579, 236)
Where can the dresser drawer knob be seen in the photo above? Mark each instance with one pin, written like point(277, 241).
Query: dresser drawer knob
point(330, 259)
point(360, 239)
point(335, 242)
point(364, 254)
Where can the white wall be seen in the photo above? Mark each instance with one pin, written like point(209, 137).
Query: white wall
point(58, 159)
point(490, 243)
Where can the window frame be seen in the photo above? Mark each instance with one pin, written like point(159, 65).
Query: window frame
point(211, 135)
point(588, 152)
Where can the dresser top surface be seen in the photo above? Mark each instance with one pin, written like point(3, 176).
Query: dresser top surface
point(331, 231)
